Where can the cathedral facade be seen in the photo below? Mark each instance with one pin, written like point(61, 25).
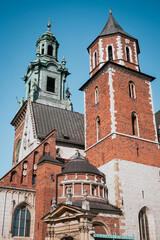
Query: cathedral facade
point(91, 176)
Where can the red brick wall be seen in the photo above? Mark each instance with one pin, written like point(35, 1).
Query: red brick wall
point(112, 40)
point(111, 223)
point(124, 105)
point(45, 191)
point(121, 147)
point(45, 187)
point(18, 135)
point(94, 110)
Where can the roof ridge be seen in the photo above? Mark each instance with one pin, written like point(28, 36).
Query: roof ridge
point(57, 108)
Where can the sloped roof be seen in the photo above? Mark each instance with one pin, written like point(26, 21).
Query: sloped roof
point(95, 205)
point(47, 158)
point(78, 164)
point(69, 125)
point(112, 27)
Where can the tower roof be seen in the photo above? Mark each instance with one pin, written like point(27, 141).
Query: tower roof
point(112, 27)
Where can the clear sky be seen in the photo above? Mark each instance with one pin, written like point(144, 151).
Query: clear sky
point(75, 24)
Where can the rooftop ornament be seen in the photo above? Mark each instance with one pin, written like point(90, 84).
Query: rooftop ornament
point(49, 25)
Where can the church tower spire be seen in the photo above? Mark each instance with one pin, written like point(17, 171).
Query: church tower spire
point(113, 44)
point(46, 76)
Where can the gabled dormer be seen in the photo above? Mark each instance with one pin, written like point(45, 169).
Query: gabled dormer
point(113, 44)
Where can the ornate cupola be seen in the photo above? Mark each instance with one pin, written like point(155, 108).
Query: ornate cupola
point(46, 76)
point(113, 44)
point(81, 177)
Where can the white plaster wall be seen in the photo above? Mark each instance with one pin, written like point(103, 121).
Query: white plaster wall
point(152, 109)
point(29, 140)
point(10, 198)
point(135, 178)
point(68, 151)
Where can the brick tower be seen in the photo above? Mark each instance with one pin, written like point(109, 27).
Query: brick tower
point(120, 128)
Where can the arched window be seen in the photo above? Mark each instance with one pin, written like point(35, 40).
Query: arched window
point(132, 92)
point(110, 53)
point(135, 127)
point(46, 148)
point(98, 128)
point(96, 95)
point(21, 222)
point(100, 228)
point(94, 59)
point(17, 150)
point(93, 191)
point(143, 225)
point(13, 177)
point(42, 52)
point(50, 50)
point(127, 54)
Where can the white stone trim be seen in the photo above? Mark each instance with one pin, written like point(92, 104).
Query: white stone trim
point(152, 109)
point(112, 107)
point(113, 52)
point(17, 189)
point(119, 47)
point(32, 118)
point(82, 181)
point(90, 60)
point(90, 196)
point(85, 119)
point(101, 53)
point(130, 53)
point(135, 53)
point(122, 134)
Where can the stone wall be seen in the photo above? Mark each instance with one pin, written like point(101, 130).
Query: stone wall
point(132, 186)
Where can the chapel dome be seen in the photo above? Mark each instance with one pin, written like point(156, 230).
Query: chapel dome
point(78, 164)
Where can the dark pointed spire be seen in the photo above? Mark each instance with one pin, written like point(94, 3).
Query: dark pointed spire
point(112, 27)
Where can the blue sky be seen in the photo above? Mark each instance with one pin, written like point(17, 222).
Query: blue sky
point(75, 24)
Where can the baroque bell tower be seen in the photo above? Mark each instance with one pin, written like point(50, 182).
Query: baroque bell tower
point(45, 77)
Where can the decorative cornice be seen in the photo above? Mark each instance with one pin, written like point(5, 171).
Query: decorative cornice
point(114, 65)
point(32, 118)
point(17, 189)
point(19, 117)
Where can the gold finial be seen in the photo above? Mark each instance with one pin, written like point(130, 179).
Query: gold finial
point(38, 37)
point(110, 11)
point(63, 57)
point(49, 24)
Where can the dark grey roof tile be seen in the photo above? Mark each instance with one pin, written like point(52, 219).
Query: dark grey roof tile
point(69, 125)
